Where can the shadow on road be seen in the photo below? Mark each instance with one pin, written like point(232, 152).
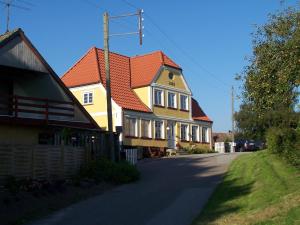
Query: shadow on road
point(219, 203)
point(171, 191)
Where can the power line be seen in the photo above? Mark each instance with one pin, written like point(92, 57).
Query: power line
point(28, 3)
point(184, 52)
point(91, 3)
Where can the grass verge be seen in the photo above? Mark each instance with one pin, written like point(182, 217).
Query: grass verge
point(259, 188)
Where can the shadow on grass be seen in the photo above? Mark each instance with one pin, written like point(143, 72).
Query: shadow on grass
point(220, 203)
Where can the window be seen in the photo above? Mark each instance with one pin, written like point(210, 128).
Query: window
point(184, 102)
point(145, 129)
point(158, 97)
point(195, 133)
point(88, 98)
point(184, 132)
point(171, 100)
point(205, 134)
point(159, 130)
point(131, 127)
point(171, 76)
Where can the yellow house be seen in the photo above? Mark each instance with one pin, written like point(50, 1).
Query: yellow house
point(151, 100)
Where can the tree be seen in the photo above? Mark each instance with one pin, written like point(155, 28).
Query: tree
point(271, 80)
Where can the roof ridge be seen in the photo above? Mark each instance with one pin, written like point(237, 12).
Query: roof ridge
point(115, 53)
point(150, 53)
point(98, 65)
point(162, 58)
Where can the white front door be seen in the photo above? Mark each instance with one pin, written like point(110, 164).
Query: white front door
point(171, 134)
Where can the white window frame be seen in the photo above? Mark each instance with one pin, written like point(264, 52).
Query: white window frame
point(175, 99)
point(162, 129)
point(88, 97)
point(186, 102)
point(162, 97)
point(149, 128)
point(186, 131)
point(135, 127)
point(197, 133)
point(206, 137)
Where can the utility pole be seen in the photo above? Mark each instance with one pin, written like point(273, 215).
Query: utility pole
point(232, 118)
point(7, 19)
point(106, 19)
point(108, 87)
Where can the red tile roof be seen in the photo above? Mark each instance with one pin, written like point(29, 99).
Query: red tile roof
point(91, 69)
point(145, 67)
point(198, 113)
point(126, 73)
point(84, 72)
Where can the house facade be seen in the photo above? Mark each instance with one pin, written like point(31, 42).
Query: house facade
point(45, 133)
point(151, 100)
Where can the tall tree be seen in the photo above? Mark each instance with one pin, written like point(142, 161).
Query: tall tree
point(271, 80)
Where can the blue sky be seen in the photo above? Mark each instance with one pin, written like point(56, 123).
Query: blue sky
point(208, 38)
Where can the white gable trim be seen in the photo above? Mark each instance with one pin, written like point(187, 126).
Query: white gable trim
point(153, 83)
point(85, 87)
point(171, 88)
point(95, 86)
point(184, 81)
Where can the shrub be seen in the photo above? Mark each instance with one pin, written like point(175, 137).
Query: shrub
point(274, 139)
point(105, 170)
point(12, 185)
point(197, 150)
point(286, 143)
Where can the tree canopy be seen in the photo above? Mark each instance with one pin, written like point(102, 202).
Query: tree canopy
point(271, 80)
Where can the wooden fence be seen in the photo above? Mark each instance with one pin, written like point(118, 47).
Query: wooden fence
point(40, 161)
point(37, 108)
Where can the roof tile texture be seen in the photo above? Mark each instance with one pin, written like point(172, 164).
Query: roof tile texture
point(125, 73)
point(91, 69)
point(198, 113)
point(148, 65)
point(84, 72)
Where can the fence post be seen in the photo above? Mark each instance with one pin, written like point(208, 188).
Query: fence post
point(62, 160)
point(33, 162)
point(47, 110)
point(16, 106)
point(13, 163)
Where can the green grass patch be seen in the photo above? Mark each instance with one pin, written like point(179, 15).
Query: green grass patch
point(259, 188)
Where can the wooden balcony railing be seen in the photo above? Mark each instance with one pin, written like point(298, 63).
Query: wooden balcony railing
point(36, 108)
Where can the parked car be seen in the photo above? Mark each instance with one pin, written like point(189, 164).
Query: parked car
point(248, 145)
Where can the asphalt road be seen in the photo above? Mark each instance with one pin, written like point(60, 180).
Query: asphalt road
point(172, 191)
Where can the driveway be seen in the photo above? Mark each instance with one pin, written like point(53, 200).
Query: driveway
point(172, 191)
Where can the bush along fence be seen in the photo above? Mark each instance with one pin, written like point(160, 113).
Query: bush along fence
point(50, 162)
point(286, 143)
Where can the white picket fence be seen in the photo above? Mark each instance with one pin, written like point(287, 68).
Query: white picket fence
point(221, 147)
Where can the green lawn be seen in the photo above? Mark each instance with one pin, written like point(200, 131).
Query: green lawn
point(259, 188)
